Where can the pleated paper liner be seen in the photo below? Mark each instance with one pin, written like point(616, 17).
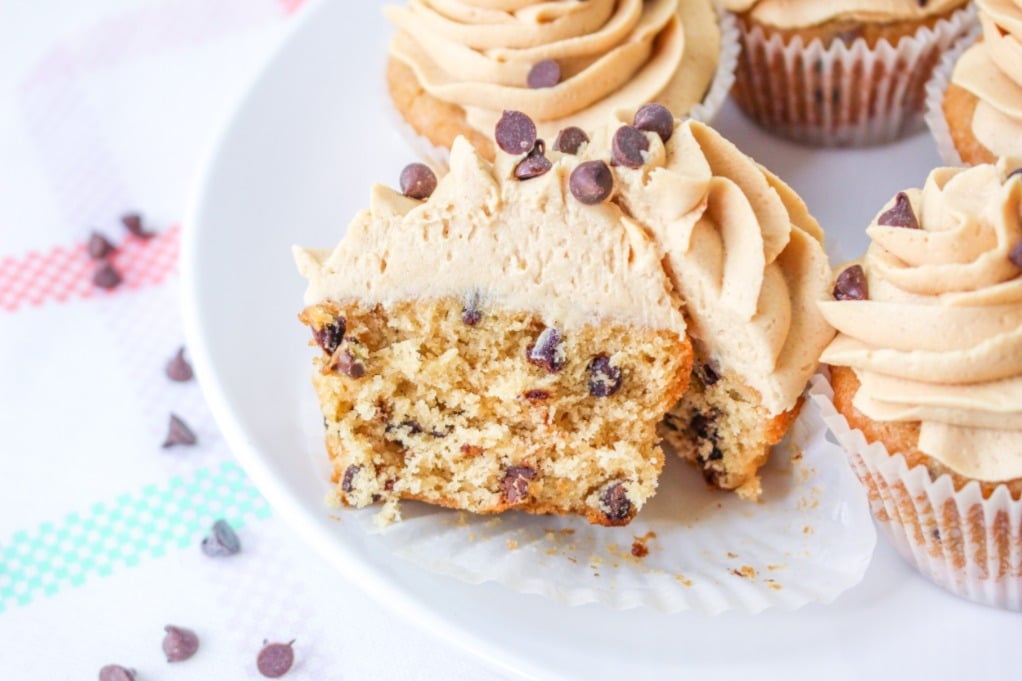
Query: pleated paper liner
point(936, 88)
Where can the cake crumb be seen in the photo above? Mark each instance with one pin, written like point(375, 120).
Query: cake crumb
point(772, 584)
point(807, 530)
point(732, 555)
point(512, 545)
point(746, 572)
point(389, 514)
point(775, 568)
point(683, 580)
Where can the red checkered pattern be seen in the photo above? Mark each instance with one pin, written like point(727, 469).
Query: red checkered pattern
point(65, 274)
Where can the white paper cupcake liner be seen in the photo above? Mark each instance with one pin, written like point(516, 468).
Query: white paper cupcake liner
point(964, 543)
point(936, 88)
point(842, 95)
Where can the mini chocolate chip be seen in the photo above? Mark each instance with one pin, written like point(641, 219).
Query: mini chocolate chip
point(178, 368)
point(133, 223)
point(330, 336)
point(655, 118)
point(515, 132)
point(106, 277)
point(471, 314)
point(99, 246)
point(221, 541)
point(417, 181)
point(536, 394)
point(515, 483)
point(389, 486)
point(900, 214)
point(179, 644)
point(715, 454)
point(546, 73)
point(115, 672)
point(349, 365)
point(275, 659)
point(347, 482)
point(1015, 255)
point(851, 284)
point(628, 145)
point(700, 425)
point(591, 182)
point(604, 378)
point(709, 376)
point(535, 164)
point(178, 433)
point(547, 351)
point(617, 507)
point(570, 139)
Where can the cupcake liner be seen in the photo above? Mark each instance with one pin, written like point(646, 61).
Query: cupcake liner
point(842, 95)
point(689, 548)
point(964, 543)
point(936, 87)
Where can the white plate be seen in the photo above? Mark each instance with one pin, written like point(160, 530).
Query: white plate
point(291, 166)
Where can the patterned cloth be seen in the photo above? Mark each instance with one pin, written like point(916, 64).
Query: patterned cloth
point(105, 107)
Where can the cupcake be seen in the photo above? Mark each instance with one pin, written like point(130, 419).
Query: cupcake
point(454, 67)
point(846, 73)
point(927, 378)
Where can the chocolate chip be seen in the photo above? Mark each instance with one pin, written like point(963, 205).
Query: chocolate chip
point(616, 506)
point(849, 36)
point(655, 118)
point(349, 365)
point(604, 378)
point(221, 541)
point(570, 139)
point(515, 483)
point(106, 277)
point(179, 644)
point(347, 482)
point(535, 164)
point(417, 181)
point(133, 223)
point(591, 182)
point(851, 284)
point(515, 132)
point(1015, 255)
point(1015, 173)
point(178, 433)
point(99, 246)
point(546, 73)
point(709, 376)
point(900, 214)
point(275, 659)
point(714, 455)
point(536, 394)
point(547, 351)
point(178, 368)
point(115, 672)
point(628, 145)
point(330, 336)
point(700, 425)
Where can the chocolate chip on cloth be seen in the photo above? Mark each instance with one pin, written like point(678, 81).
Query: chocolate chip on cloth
point(851, 284)
point(133, 223)
point(515, 483)
point(535, 164)
point(179, 643)
point(591, 182)
point(106, 277)
point(515, 132)
point(178, 368)
point(546, 73)
point(221, 541)
point(418, 181)
point(546, 352)
point(570, 139)
point(275, 659)
point(900, 214)
point(655, 118)
point(628, 145)
point(178, 433)
point(115, 672)
point(99, 246)
point(604, 378)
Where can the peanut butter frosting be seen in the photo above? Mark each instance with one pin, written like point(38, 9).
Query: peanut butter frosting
point(939, 338)
point(611, 54)
point(806, 13)
point(992, 71)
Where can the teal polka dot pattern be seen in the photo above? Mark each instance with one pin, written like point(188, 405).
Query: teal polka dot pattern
point(124, 531)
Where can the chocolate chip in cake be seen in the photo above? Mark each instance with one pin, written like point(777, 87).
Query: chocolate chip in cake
point(570, 139)
point(1015, 255)
point(628, 145)
point(515, 132)
point(535, 164)
point(851, 284)
point(349, 365)
point(179, 643)
point(348, 481)
point(221, 541)
point(1015, 173)
point(178, 433)
point(418, 181)
point(115, 672)
point(536, 394)
point(547, 351)
point(591, 182)
point(655, 118)
point(330, 335)
point(178, 369)
point(604, 378)
point(699, 424)
point(99, 246)
point(616, 505)
point(900, 214)
point(106, 277)
point(708, 375)
point(133, 223)
point(515, 483)
point(275, 659)
point(546, 73)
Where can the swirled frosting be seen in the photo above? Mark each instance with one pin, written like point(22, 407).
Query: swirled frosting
point(612, 54)
point(939, 339)
point(992, 71)
point(804, 13)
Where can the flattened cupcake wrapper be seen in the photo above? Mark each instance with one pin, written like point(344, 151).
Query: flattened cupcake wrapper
point(936, 88)
point(842, 95)
point(964, 543)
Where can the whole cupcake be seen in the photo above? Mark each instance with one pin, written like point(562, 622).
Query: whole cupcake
point(927, 378)
point(454, 67)
point(842, 72)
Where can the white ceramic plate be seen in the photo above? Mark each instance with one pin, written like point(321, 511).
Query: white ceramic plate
point(291, 166)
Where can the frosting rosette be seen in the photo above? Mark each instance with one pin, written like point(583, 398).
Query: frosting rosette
point(935, 336)
point(802, 13)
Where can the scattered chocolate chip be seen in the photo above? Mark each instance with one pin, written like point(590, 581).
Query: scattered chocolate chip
point(570, 139)
point(179, 644)
point(178, 433)
point(417, 181)
point(709, 376)
point(221, 541)
point(546, 73)
point(1015, 255)
point(115, 672)
point(535, 164)
point(617, 507)
point(178, 368)
point(900, 214)
point(604, 378)
point(515, 132)
point(546, 352)
point(349, 365)
point(347, 482)
point(536, 394)
point(628, 145)
point(515, 483)
point(330, 336)
point(851, 284)
point(591, 182)
point(275, 659)
point(655, 118)
point(106, 277)
point(99, 246)
point(133, 223)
